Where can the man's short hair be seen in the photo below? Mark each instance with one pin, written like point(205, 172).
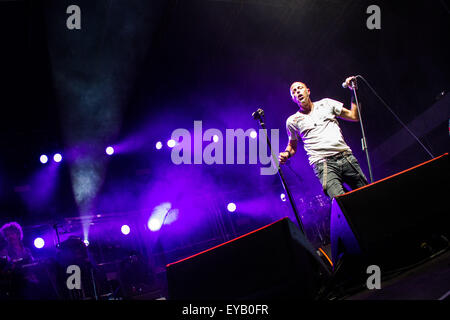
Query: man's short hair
point(290, 88)
point(12, 226)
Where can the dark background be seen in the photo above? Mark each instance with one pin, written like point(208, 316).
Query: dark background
point(154, 66)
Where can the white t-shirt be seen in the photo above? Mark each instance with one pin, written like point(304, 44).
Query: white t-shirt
point(319, 130)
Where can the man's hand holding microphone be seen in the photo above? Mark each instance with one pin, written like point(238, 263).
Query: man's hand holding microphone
point(349, 82)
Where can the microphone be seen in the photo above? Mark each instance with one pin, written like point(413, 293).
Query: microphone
point(258, 114)
point(352, 83)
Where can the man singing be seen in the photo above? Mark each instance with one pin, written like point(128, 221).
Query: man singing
point(328, 154)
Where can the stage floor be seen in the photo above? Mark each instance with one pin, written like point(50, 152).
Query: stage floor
point(428, 281)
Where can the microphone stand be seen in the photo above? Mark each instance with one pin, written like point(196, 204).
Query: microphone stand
point(259, 115)
point(55, 226)
point(363, 140)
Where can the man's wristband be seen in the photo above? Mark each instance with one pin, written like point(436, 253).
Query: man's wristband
point(289, 154)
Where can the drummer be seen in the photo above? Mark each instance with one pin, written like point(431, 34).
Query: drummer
point(16, 251)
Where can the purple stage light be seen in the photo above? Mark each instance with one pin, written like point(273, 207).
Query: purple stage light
point(171, 143)
point(171, 216)
point(86, 242)
point(159, 145)
point(162, 213)
point(253, 134)
point(283, 197)
point(231, 207)
point(43, 158)
point(109, 150)
point(154, 224)
point(125, 229)
point(57, 157)
point(39, 243)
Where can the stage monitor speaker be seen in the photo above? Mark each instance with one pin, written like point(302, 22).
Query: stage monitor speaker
point(396, 221)
point(273, 262)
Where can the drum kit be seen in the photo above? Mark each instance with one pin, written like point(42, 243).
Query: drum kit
point(20, 280)
point(315, 211)
point(47, 278)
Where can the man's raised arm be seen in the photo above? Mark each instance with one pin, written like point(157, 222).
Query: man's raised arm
point(352, 114)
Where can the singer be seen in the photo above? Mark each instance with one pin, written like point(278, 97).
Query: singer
point(329, 155)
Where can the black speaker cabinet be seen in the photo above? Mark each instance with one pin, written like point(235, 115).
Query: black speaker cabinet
point(273, 262)
point(395, 221)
